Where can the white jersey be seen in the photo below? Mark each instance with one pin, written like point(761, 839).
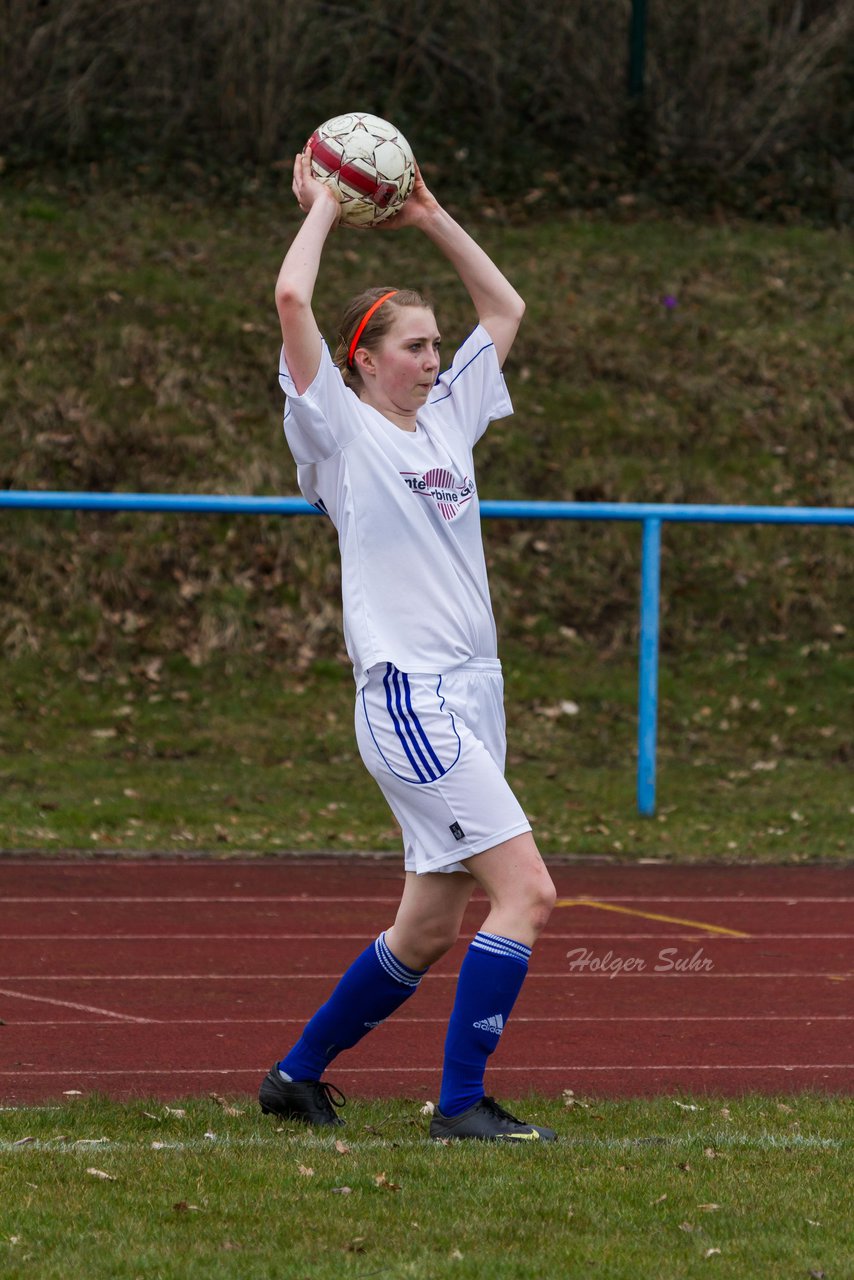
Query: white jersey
point(413, 573)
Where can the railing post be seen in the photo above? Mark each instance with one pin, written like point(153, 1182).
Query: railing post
point(637, 48)
point(648, 672)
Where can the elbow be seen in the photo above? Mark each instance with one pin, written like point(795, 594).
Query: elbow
point(512, 311)
point(287, 294)
point(516, 313)
point(290, 301)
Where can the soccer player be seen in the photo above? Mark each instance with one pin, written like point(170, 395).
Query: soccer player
point(383, 446)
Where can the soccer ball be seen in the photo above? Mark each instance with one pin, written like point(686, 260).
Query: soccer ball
point(366, 162)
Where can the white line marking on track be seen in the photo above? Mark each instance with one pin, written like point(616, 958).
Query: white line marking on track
point(282, 976)
point(195, 899)
point(792, 900)
point(721, 1141)
point(369, 936)
point(612, 1019)
point(85, 1072)
point(71, 1004)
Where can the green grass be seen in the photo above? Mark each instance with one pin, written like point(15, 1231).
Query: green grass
point(753, 758)
point(661, 1189)
point(177, 682)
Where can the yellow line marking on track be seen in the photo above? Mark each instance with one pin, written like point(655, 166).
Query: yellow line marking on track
point(650, 915)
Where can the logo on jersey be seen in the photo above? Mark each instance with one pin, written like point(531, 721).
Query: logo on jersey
point(440, 486)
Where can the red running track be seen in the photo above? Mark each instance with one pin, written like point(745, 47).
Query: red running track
point(171, 979)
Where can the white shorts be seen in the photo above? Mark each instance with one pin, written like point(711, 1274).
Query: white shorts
point(435, 745)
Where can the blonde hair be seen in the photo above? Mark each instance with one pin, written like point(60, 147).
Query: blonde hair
point(376, 328)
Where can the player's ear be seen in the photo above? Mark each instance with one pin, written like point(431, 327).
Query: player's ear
point(364, 360)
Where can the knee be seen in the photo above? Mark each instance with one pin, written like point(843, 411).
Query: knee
point(422, 948)
point(541, 900)
point(435, 941)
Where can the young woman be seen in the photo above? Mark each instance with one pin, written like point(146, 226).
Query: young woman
point(383, 445)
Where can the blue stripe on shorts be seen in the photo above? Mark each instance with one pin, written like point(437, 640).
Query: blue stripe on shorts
point(409, 730)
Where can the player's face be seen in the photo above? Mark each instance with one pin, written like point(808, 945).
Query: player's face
point(406, 362)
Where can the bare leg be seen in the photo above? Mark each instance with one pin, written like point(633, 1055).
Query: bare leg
point(521, 896)
point(373, 987)
point(429, 917)
point(520, 890)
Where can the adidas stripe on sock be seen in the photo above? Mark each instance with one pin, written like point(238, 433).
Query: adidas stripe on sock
point(495, 945)
point(491, 977)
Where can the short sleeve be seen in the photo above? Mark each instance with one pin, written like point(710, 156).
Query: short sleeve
point(472, 393)
point(325, 417)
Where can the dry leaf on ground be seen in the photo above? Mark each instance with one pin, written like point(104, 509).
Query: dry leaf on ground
point(225, 1104)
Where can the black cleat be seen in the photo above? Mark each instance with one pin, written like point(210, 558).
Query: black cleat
point(486, 1121)
point(311, 1101)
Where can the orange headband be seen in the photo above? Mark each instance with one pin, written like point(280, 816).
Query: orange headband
point(365, 318)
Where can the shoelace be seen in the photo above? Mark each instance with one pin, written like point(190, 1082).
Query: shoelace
point(328, 1090)
point(499, 1112)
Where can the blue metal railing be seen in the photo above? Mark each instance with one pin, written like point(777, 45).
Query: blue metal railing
point(650, 515)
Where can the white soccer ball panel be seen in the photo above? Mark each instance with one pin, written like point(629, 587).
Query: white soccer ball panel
point(367, 164)
point(390, 161)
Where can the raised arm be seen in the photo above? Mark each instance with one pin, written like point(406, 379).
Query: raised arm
point(298, 274)
point(499, 307)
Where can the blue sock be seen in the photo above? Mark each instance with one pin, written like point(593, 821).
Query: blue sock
point(372, 988)
point(491, 978)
